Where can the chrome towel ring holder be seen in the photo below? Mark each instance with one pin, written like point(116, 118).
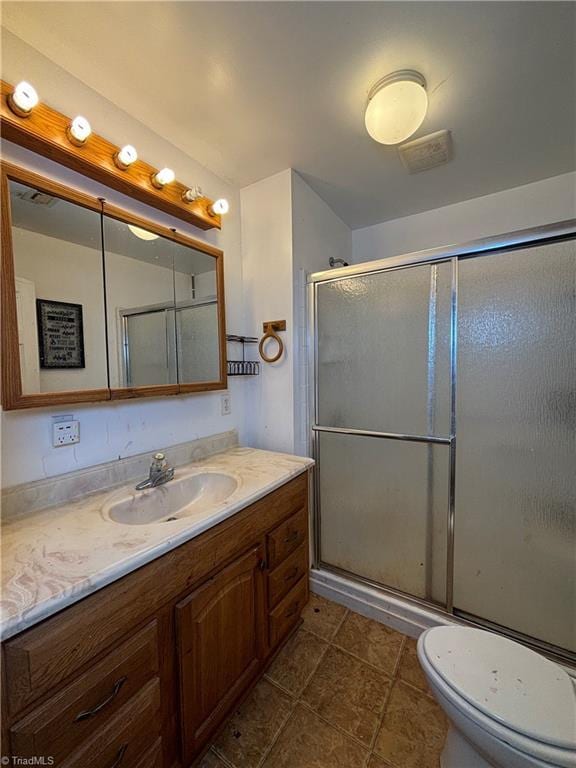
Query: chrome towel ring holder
point(271, 328)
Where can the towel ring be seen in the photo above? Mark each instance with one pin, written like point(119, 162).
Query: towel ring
point(270, 329)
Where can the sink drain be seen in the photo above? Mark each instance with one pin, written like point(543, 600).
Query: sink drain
point(169, 519)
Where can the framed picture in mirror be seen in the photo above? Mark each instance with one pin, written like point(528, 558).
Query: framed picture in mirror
point(60, 334)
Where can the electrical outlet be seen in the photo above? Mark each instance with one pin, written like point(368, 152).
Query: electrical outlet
point(65, 431)
point(226, 404)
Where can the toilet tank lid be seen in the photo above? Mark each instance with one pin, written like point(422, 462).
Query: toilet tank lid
point(506, 681)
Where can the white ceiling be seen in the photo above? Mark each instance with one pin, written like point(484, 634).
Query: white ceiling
point(250, 89)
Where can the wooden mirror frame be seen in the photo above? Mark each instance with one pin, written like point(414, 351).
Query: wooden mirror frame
point(12, 396)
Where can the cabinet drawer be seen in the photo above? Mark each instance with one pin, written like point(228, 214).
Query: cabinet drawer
point(287, 613)
point(287, 537)
point(124, 741)
point(63, 722)
point(286, 575)
point(153, 758)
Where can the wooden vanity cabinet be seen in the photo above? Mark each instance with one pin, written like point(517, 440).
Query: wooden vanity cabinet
point(142, 673)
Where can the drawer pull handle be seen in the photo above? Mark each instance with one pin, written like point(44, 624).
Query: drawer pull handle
point(99, 707)
point(119, 756)
point(292, 573)
point(292, 536)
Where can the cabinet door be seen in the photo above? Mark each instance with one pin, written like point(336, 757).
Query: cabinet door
point(221, 646)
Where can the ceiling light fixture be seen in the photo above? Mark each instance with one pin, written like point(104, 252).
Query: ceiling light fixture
point(219, 208)
point(78, 131)
point(397, 105)
point(125, 157)
point(192, 194)
point(143, 234)
point(23, 99)
point(163, 177)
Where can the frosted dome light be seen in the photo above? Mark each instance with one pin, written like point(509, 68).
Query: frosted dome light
point(397, 105)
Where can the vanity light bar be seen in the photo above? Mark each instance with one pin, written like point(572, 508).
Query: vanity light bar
point(188, 203)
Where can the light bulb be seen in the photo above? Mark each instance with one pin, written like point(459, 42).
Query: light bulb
point(192, 194)
point(219, 208)
point(397, 105)
point(23, 99)
point(125, 157)
point(79, 130)
point(165, 176)
point(143, 234)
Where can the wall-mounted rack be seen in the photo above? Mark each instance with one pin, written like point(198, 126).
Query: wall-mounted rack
point(242, 367)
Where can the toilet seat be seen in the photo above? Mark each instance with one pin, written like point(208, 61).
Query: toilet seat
point(513, 694)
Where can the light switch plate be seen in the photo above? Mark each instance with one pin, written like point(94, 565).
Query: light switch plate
point(65, 432)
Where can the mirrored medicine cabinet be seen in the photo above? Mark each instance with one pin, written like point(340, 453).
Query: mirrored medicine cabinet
point(98, 304)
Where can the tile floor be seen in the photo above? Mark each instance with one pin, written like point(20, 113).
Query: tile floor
point(345, 692)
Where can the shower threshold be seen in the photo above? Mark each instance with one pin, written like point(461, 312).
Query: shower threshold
point(410, 615)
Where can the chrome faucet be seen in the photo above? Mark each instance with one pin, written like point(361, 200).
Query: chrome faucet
point(159, 474)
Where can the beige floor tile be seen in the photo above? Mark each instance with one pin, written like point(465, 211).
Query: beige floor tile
point(308, 742)
point(348, 693)
point(377, 762)
point(375, 643)
point(410, 670)
point(296, 661)
point(323, 617)
point(251, 730)
point(413, 730)
point(210, 760)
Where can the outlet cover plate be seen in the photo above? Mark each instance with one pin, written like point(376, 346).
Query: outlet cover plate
point(226, 404)
point(65, 432)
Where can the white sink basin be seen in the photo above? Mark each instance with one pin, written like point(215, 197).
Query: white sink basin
point(183, 497)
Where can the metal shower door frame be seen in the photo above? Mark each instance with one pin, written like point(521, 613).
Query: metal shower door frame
point(450, 254)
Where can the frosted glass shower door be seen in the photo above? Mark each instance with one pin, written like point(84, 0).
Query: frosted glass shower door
point(383, 426)
point(515, 529)
point(150, 353)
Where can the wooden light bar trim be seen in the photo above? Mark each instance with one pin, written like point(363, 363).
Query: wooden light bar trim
point(44, 132)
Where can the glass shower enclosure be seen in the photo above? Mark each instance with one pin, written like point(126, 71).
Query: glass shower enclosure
point(444, 429)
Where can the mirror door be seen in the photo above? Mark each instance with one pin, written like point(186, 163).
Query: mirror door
point(58, 295)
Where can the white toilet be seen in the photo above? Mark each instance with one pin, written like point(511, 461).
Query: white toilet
point(508, 706)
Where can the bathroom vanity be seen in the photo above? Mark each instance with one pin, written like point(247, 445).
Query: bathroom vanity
point(143, 671)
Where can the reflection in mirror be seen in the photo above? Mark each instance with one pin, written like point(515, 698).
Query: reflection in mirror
point(196, 315)
point(59, 292)
point(140, 306)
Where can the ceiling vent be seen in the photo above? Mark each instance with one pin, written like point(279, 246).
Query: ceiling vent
point(37, 198)
point(427, 152)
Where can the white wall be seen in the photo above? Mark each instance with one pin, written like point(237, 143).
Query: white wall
point(543, 202)
point(268, 288)
point(287, 230)
point(121, 429)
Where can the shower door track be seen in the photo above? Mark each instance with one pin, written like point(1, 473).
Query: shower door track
point(452, 254)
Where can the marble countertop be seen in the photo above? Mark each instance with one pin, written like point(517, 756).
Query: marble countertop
point(56, 556)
